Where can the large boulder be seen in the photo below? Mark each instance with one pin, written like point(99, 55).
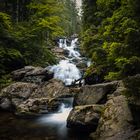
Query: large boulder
point(116, 120)
point(19, 90)
point(84, 117)
point(37, 106)
point(32, 74)
point(32, 106)
point(93, 94)
point(13, 95)
point(22, 97)
point(52, 89)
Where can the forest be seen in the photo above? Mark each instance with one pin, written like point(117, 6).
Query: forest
point(28, 30)
point(111, 38)
point(109, 35)
point(70, 69)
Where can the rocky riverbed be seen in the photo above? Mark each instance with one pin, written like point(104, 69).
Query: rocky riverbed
point(102, 111)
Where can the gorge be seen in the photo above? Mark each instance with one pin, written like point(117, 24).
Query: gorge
point(69, 70)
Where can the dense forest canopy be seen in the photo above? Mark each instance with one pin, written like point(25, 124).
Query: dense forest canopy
point(111, 37)
point(28, 29)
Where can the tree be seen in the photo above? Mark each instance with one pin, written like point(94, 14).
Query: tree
point(116, 37)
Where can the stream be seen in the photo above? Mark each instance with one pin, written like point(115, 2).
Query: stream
point(49, 126)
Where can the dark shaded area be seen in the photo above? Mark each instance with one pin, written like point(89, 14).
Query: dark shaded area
point(16, 128)
point(135, 109)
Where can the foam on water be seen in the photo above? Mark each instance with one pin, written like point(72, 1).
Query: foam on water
point(57, 118)
point(65, 70)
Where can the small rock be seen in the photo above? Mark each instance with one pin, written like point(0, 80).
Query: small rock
point(6, 104)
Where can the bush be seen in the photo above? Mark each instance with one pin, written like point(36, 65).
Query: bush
point(132, 84)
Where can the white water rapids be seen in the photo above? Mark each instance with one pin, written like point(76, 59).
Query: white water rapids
point(57, 121)
point(66, 70)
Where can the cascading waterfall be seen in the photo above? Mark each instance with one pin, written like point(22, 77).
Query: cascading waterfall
point(66, 70)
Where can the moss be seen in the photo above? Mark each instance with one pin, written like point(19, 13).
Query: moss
point(5, 80)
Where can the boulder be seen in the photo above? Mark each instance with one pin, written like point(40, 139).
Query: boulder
point(135, 135)
point(13, 95)
point(82, 65)
point(59, 53)
point(32, 74)
point(19, 90)
point(5, 104)
point(32, 106)
point(52, 89)
point(93, 94)
point(85, 117)
point(116, 120)
point(22, 97)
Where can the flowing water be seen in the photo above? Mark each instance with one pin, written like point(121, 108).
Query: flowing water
point(66, 70)
point(48, 126)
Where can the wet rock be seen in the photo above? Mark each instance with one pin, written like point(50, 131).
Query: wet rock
point(32, 106)
point(82, 65)
point(66, 53)
point(13, 95)
point(92, 94)
point(59, 53)
point(135, 135)
point(116, 120)
point(84, 117)
point(19, 90)
point(23, 95)
point(52, 89)
point(6, 104)
point(32, 74)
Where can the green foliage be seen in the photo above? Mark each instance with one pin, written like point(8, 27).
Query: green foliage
point(132, 86)
point(113, 43)
point(5, 22)
point(28, 31)
point(112, 76)
point(5, 80)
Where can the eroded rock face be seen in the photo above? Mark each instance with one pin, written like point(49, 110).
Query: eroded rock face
point(116, 120)
point(32, 74)
point(52, 89)
point(16, 93)
point(93, 94)
point(32, 106)
point(19, 90)
point(28, 98)
point(84, 117)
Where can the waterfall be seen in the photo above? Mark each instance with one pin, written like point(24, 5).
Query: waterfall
point(57, 121)
point(66, 70)
point(59, 117)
